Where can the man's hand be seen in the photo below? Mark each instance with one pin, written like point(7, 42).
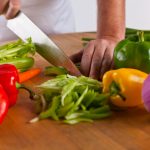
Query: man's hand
point(9, 8)
point(96, 58)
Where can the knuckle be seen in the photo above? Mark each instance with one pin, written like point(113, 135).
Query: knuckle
point(87, 54)
point(92, 42)
point(102, 41)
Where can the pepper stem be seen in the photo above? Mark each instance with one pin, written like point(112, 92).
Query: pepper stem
point(141, 36)
point(39, 99)
point(32, 96)
point(115, 90)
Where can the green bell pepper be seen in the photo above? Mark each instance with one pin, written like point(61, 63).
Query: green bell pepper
point(133, 52)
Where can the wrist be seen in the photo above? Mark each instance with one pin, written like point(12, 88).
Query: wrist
point(115, 34)
point(111, 37)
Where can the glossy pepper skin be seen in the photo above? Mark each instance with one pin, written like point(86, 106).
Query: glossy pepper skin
point(133, 52)
point(4, 103)
point(8, 79)
point(130, 83)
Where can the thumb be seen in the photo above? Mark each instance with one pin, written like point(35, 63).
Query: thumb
point(76, 57)
point(13, 8)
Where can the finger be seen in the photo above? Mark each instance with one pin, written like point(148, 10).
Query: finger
point(107, 62)
point(14, 7)
point(87, 58)
point(112, 64)
point(96, 61)
point(76, 57)
point(3, 5)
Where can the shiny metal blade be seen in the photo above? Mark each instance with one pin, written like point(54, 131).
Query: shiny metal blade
point(24, 28)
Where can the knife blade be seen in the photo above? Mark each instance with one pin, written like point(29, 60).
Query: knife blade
point(24, 28)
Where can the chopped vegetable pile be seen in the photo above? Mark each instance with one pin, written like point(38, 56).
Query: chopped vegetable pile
point(73, 99)
point(17, 53)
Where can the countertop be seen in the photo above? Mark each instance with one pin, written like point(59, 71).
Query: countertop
point(125, 130)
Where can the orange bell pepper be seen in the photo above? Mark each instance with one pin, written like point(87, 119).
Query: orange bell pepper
point(124, 86)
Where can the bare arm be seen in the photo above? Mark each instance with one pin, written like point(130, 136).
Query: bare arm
point(111, 19)
point(97, 56)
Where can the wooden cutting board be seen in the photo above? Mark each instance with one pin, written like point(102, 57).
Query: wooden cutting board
point(126, 130)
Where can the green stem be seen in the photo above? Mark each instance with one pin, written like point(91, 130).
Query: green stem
point(115, 90)
point(33, 96)
point(87, 39)
point(141, 36)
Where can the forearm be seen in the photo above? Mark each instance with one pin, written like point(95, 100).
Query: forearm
point(111, 19)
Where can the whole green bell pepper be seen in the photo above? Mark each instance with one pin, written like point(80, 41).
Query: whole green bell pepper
point(133, 52)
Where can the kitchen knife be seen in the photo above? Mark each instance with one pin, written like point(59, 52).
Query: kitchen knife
point(24, 28)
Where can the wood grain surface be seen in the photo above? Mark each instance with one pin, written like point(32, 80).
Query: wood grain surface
point(126, 130)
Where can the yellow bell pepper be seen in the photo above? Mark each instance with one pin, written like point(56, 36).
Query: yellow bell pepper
point(128, 84)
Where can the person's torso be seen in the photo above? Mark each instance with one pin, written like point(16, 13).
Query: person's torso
point(52, 16)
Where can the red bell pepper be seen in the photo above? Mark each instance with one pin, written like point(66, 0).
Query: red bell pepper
point(4, 103)
point(8, 79)
point(9, 85)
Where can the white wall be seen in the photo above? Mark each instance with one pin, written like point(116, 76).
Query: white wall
point(137, 14)
point(85, 12)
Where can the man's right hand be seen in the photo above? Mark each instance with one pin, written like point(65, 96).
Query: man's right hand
point(9, 8)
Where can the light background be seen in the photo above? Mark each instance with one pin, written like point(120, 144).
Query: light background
point(137, 14)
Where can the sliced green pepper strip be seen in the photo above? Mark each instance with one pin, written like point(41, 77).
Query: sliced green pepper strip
point(51, 112)
point(54, 71)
